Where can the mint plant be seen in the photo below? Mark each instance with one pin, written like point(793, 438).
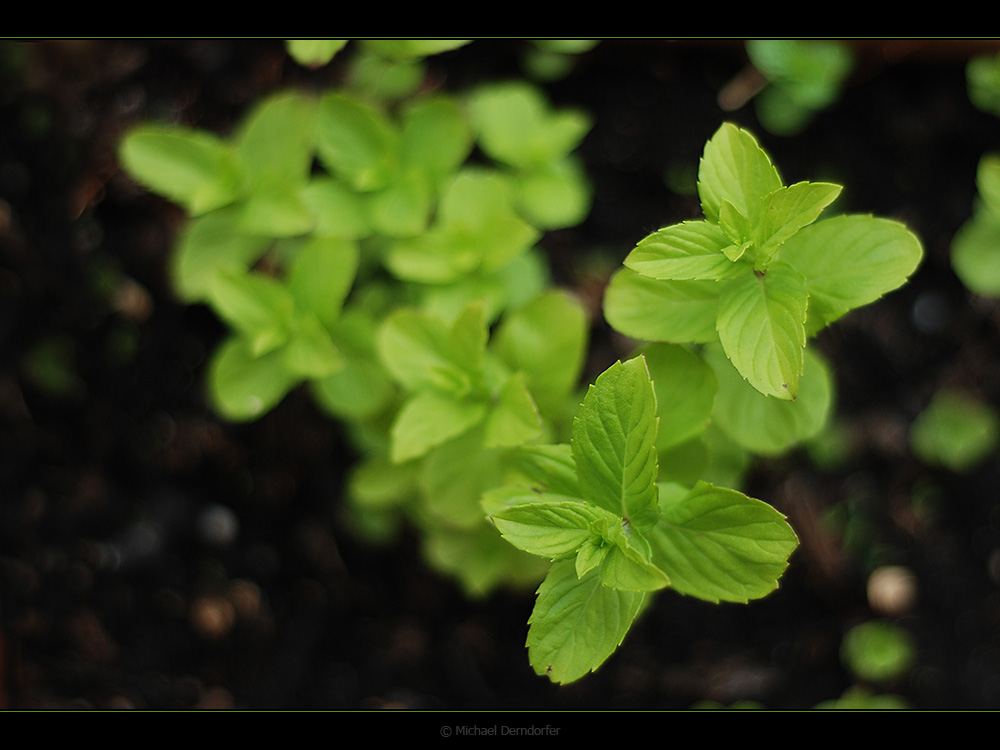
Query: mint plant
point(747, 288)
point(454, 384)
point(733, 300)
point(363, 242)
point(759, 274)
point(615, 535)
point(470, 399)
point(380, 245)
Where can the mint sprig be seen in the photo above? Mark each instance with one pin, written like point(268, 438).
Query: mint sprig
point(616, 536)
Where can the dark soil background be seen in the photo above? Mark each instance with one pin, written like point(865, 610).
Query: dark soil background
point(153, 556)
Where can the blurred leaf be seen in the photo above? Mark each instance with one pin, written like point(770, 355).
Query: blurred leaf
point(554, 196)
point(436, 137)
point(685, 389)
point(410, 49)
point(197, 170)
point(546, 340)
point(517, 126)
point(314, 53)
point(276, 141)
point(210, 244)
point(242, 385)
point(357, 142)
point(955, 431)
point(764, 425)
point(983, 81)
point(878, 651)
point(429, 419)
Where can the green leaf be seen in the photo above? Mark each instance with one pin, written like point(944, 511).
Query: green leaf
point(737, 228)
point(878, 651)
point(769, 426)
point(735, 169)
point(517, 126)
point(468, 336)
point(761, 324)
point(577, 623)
point(653, 310)
point(711, 457)
point(810, 70)
point(339, 211)
point(436, 137)
point(357, 142)
point(514, 418)
point(718, 544)
point(545, 339)
point(277, 140)
point(244, 386)
point(420, 353)
point(258, 307)
point(975, 249)
point(362, 387)
point(382, 79)
point(624, 568)
point(789, 209)
point(209, 244)
point(507, 288)
point(403, 208)
point(685, 251)
point(476, 229)
point(804, 76)
point(956, 431)
point(685, 389)
point(975, 255)
point(478, 208)
point(614, 441)
point(376, 483)
point(412, 49)
point(479, 559)
point(550, 468)
point(590, 555)
point(550, 527)
point(982, 74)
point(195, 169)
point(277, 211)
point(310, 352)
point(322, 274)
point(314, 53)
point(455, 476)
point(850, 261)
point(554, 196)
point(988, 183)
point(429, 419)
point(860, 698)
point(437, 256)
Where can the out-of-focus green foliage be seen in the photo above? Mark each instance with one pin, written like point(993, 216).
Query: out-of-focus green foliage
point(955, 431)
point(804, 77)
point(878, 651)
